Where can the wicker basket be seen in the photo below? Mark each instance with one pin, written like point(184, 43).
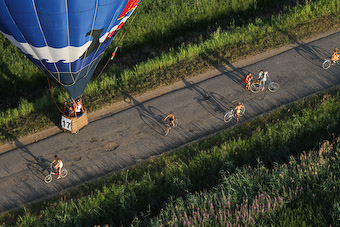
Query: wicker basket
point(74, 124)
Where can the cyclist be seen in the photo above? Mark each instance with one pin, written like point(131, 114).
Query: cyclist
point(171, 119)
point(247, 80)
point(335, 55)
point(238, 108)
point(263, 76)
point(59, 165)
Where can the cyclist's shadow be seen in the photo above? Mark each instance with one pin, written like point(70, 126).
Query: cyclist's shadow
point(212, 102)
point(150, 115)
point(38, 165)
point(220, 63)
point(216, 105)
point(310, 52)
point(313, 54)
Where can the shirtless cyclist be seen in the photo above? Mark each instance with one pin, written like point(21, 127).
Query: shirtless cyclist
point(335, 55)
point(238, 110)
point(171, 119)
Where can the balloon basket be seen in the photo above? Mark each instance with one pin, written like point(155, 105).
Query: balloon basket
point(74, 124)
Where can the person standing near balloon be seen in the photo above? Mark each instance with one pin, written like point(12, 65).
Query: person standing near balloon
point(79, 107)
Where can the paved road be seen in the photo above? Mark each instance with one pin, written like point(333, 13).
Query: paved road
point(134, 134)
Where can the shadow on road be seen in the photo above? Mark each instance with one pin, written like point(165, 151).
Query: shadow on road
point(312, 53)
point(212, 102)
point(36, 165)
point(150, 115)
point(235, 74)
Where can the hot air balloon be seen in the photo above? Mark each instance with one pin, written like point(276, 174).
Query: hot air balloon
point(65, 39)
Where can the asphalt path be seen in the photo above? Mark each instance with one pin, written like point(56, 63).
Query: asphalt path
point(132, 135)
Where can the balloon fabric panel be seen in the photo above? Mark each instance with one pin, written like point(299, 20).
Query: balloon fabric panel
point(66, 39)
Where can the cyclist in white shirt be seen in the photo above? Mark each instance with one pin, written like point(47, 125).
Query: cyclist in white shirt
point(263, 76)
point(59, 165)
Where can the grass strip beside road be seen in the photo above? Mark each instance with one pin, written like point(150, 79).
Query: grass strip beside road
point(222, 47)
point(140, 193)
point(286, 195)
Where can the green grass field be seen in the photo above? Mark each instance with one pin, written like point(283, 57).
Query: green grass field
point(302, 192)
point(207, 31)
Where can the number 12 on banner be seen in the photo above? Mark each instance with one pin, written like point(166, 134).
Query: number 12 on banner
point(66, 123)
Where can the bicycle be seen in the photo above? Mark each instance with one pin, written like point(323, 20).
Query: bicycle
point(169, 127)
point(328, 63)
point(232, 113)
point(256, 86)
point(48, 178)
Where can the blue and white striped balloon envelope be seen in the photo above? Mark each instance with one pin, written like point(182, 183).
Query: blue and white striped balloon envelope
point(64, 38)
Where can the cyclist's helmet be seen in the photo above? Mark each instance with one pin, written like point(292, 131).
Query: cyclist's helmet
point(336, 49)
point(239, 103)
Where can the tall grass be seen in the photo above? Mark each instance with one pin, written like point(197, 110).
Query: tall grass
point(142, 191)
point(287, 195)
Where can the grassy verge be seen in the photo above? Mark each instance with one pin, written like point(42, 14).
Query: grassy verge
point(225, 44)
point(303, 192)
point(141, 193)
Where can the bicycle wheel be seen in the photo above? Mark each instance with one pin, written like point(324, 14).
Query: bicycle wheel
point(228, 116)
point(243, 109)
point(48, 179)
point(175, 123)
point(273, 86)
point(338, 62)
point(167, 131)
point(63, 173)
point(326, 64)
point(255, 88)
